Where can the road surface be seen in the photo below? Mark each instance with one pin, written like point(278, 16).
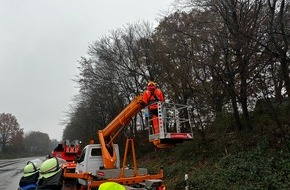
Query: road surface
point(11, 171)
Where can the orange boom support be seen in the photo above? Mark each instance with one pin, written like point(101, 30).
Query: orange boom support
point(114, 127)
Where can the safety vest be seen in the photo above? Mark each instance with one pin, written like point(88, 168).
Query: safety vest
point(149, 97)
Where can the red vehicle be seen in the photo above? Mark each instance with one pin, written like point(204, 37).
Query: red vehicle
point(68, 151)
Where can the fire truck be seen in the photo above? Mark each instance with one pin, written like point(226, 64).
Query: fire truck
point(69, 151)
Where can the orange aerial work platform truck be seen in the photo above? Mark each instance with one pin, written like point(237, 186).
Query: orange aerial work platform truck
point(100, 163)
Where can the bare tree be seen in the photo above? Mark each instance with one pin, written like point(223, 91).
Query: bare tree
point(112, 75)
point(278, 43)
point(238, 38)
point(185, 74)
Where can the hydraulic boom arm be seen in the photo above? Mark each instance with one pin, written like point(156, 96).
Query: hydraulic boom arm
point(108, 151)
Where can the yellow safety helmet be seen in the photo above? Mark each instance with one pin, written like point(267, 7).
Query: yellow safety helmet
point(111, 186)
point(151, 85)
point(50, 167)
point(31, 167)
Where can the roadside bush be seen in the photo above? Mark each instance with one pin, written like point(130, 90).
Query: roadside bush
point(246, 170)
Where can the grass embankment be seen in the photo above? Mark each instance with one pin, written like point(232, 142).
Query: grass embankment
point(250, 159)
point(209, 167)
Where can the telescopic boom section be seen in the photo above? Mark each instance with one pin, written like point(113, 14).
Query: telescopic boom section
point(108, 151)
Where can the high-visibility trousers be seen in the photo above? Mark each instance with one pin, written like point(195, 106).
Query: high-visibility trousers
point(155, 124)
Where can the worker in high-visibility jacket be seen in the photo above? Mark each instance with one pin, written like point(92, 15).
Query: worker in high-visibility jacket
point(111, 186)
point(50, 177)
point(151, 96)
point(30, 175)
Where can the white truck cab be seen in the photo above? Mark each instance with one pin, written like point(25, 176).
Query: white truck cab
point(91, 160)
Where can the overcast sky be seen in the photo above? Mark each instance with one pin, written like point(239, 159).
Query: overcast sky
point(41, 42)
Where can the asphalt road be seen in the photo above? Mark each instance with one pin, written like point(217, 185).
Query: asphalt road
point(11, 171)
